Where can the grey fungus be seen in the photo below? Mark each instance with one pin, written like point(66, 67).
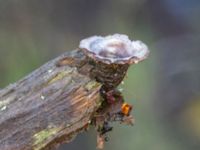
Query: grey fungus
point(114, 49)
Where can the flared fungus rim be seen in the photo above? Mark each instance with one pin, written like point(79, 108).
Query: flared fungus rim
point(114, 45)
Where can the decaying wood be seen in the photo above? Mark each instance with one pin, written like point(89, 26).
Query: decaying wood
point(58, 100)
point(49, 106)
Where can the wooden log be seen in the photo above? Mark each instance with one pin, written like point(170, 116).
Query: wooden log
point(58, 100)
point(50, 106)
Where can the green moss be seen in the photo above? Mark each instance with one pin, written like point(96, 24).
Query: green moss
point(99, 103)
point(60, 75)
point(92, 84)
point(40, 137)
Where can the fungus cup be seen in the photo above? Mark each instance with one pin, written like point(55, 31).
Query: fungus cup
point(112, 56)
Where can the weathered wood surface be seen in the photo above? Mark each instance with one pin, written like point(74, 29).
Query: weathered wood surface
point(49, 106)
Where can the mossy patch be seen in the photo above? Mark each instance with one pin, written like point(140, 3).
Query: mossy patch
point(92, 84)
point(61, 75)
point(40, 137)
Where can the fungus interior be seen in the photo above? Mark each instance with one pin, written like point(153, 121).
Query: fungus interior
point(115, 48)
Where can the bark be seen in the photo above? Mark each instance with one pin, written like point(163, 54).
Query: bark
point(49, 106)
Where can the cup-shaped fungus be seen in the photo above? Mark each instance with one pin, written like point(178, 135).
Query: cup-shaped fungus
point(112, 56)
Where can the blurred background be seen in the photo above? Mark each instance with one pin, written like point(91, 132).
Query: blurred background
point(165, 88)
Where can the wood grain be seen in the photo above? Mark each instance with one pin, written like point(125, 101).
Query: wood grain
point(49, 106)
